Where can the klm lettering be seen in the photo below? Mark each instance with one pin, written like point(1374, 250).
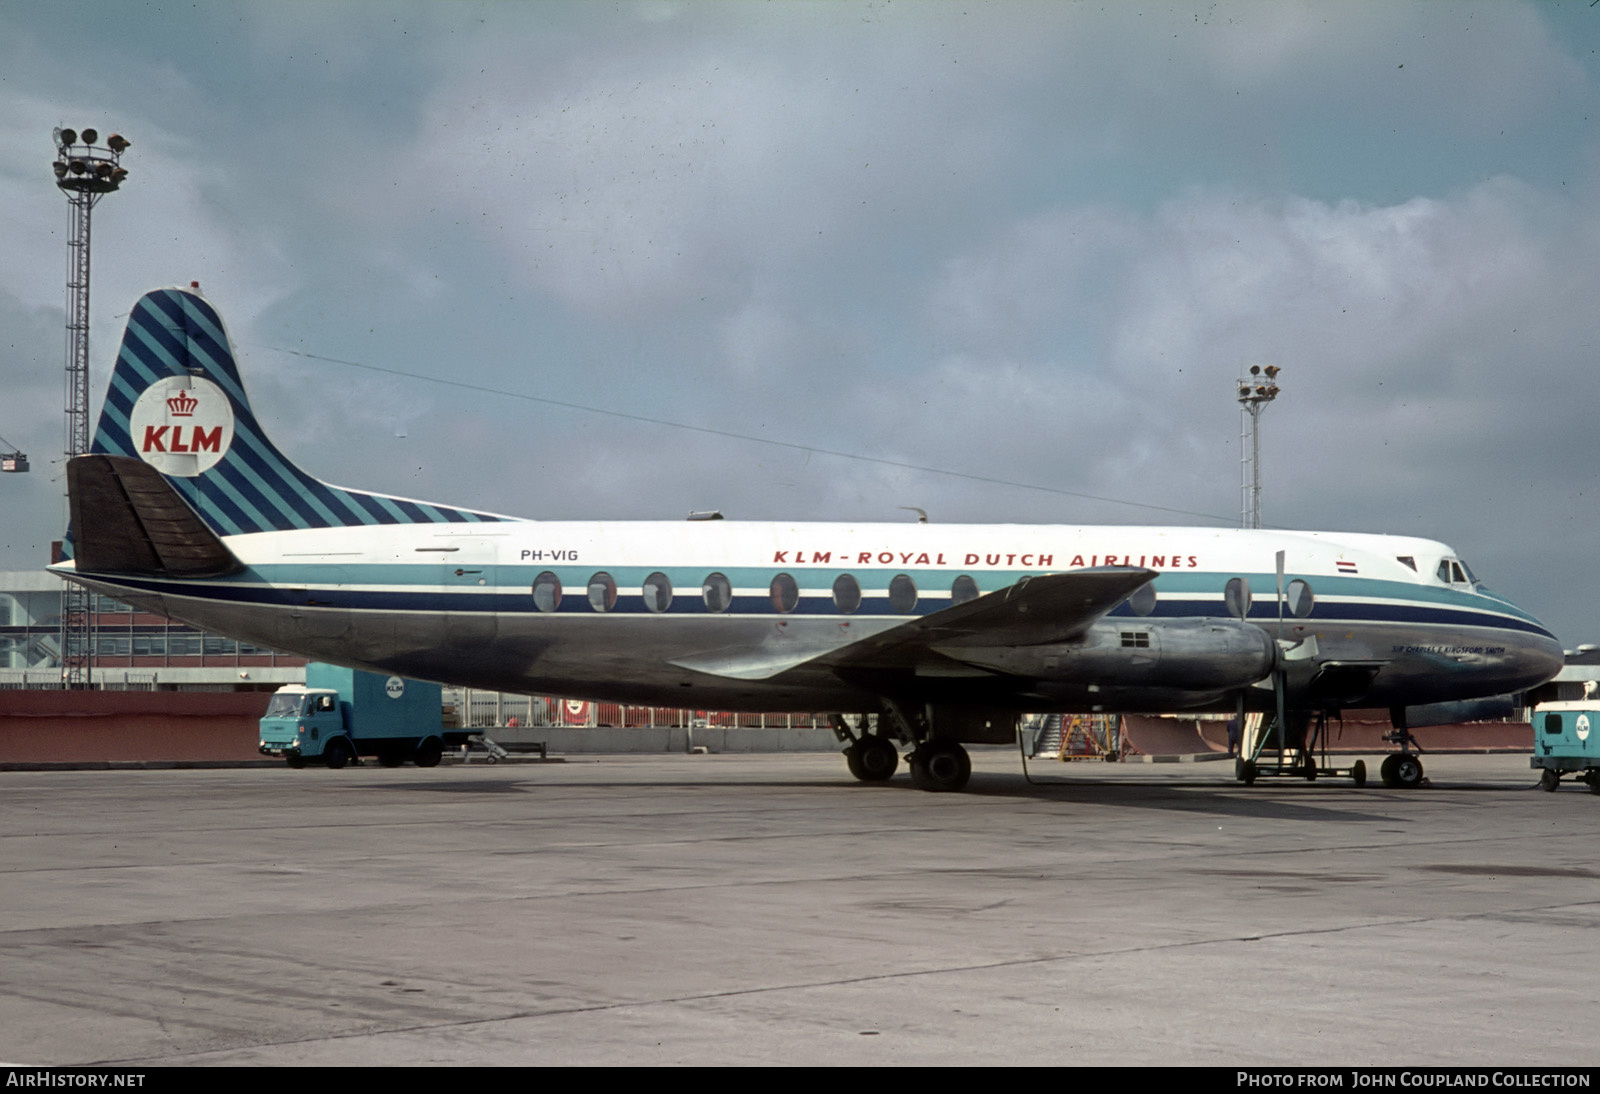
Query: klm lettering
point(157, 439)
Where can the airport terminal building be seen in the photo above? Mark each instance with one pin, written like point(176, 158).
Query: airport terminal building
point(133, 650)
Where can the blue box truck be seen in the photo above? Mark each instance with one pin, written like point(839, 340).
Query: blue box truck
point(341, 714)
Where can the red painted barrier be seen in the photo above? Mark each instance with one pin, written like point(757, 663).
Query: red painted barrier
point(110, 726)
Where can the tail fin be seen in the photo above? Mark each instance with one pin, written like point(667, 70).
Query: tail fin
point(177, 403)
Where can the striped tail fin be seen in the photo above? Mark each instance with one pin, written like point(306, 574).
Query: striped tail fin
point(176, 402)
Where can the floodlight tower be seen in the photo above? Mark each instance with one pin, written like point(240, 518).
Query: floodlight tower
point(1255, 394)
point(86, 171)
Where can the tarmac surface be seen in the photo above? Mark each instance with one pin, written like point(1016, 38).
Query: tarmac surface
point(749, 909)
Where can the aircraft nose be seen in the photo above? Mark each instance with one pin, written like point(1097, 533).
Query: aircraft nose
point(1537, 660)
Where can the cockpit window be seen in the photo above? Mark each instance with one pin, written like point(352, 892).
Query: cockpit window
point(1406, 560)
point(1452, 571)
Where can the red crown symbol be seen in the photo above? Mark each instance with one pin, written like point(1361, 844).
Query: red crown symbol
point(182, 404)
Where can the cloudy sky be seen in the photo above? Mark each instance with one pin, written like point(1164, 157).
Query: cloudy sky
point(1026, 242)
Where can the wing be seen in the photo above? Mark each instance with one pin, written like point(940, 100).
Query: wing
point(1036, 610)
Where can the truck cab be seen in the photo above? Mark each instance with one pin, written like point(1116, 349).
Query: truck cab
point(299, 723)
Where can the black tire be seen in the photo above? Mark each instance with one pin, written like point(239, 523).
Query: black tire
point(337, 753)
point(877, 758)
point(852, 760)
point(1549, 780)
point(1407, 771)
point(1358, 773)
point(1244, 770)
point(1592, 777)
point(1386, 770)
point(940, 766)
point(430, 750)
point(295, 760)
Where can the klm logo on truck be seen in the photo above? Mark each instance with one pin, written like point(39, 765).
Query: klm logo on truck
point(182, 425)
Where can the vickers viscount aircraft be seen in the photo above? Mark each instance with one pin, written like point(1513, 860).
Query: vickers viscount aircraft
point(943, 632)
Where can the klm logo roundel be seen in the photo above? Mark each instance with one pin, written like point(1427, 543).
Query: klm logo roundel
point(182, 425)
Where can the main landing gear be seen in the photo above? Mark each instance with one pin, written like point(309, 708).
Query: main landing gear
point(940, 765)
point(937, 764)
point(872, 758)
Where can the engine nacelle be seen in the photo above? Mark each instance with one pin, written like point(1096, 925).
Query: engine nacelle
point(1203, 654)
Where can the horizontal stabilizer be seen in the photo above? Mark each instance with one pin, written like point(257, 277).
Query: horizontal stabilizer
point(126, 519)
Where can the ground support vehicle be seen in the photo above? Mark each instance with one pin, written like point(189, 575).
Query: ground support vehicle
point(340, 715)
point(1565, 744)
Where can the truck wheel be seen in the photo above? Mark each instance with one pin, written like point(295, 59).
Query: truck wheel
point(295, 760)
point(429, 752)
point(337, 752)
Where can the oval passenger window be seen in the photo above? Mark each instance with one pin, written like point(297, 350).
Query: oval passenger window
point(785, 593)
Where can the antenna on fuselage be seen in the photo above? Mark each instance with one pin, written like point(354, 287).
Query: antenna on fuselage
point(922, 514)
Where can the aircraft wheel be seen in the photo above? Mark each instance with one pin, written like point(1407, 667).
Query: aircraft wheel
point(1358, 773)
point(294, 760)
point(1549, 780)
point(429, 752)
point(940, 766)
point(337, 753)
point(391, 755)
point(876, 758)
point(1311, 771)
point(852, 760)
point(1407, 771)
point(1386, 770)
point(1244, 770)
